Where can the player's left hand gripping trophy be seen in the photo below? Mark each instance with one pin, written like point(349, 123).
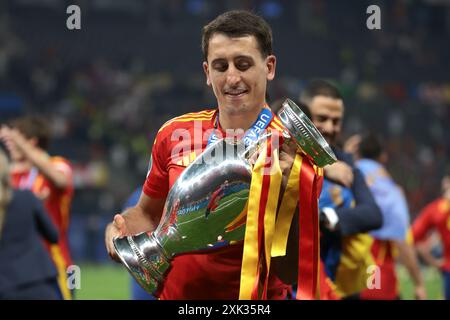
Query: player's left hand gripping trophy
point(203, 204)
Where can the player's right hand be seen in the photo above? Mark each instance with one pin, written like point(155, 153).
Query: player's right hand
point(116, 229)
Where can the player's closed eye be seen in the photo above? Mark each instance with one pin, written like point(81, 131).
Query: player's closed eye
point(220, 66)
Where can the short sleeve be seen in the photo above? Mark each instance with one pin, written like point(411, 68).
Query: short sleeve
point(63, 166)
point(423, 223)
point(157, 182)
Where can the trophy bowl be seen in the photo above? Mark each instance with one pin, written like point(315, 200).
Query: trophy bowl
point(206, 207)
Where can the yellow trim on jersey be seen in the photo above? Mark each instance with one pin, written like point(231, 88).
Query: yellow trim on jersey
point(276, 126)
point(409, 237)
point(61, 269)
point(65, 211)
point(37, 185)
point(203, 115)
point(278, 122)
point(185, 120)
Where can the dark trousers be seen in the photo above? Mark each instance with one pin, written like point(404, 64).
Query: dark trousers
point(446, 276)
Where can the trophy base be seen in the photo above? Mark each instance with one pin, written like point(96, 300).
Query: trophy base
point(144, 259)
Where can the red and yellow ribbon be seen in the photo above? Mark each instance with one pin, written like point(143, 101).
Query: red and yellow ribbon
point(266, 235)
point(308, 261)
point(260, 225)
point(287, 210)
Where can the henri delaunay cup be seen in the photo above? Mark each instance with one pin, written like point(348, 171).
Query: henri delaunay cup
point(204, 208)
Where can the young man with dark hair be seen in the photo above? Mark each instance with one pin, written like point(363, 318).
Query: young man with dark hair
point(237, 48)
point(49, 177)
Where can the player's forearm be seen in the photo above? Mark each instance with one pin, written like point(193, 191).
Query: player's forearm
point(408, 258)
point(41, 161)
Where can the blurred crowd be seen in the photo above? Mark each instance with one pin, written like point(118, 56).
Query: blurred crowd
point(107, 88)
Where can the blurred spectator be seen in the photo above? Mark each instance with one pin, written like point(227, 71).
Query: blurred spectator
point(26, 270)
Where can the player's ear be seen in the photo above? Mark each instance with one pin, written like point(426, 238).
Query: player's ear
point(271, 64)
point(206, 70)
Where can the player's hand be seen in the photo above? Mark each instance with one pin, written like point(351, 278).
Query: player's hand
point(287, 157)
point(13, 138)
point(116, 229)
point(339, 172)
point(420, 293)
point(5, 137)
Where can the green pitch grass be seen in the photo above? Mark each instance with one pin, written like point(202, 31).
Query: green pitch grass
point(112, 282)
point(103, 281)
point(433, 283)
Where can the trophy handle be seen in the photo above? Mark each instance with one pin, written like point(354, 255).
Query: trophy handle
point(305, 134)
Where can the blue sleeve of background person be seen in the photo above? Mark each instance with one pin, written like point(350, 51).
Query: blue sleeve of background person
point(366, 215)
point(395, 216)
point(389, 198)
point(44, 223)
point(133, 199)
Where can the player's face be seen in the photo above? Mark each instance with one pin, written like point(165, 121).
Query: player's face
point(238, 73)
point(327, 114)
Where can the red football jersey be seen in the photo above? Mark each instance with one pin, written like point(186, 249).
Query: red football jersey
point(383, 254)
point(436, 216)
point(212, 275)
point(57, 202)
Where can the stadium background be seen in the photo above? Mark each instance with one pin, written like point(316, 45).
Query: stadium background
point(107, 88)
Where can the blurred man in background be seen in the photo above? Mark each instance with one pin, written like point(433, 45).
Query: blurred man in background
point(393, 237)
point(26, 269)
point(48, 177)
point(436, 217)
point(347, 208)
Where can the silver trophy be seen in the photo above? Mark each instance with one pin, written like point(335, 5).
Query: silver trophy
point(205, 207)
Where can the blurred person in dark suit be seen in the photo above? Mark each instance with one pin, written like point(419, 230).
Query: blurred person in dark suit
point(26, 269)
point(48, 177)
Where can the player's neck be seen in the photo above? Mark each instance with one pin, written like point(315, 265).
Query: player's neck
point(238, 121)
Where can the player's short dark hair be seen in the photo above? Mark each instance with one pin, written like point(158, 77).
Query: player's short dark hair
point(319, 88)
point(370, 146)
point(33, 126)
point(239, 23)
